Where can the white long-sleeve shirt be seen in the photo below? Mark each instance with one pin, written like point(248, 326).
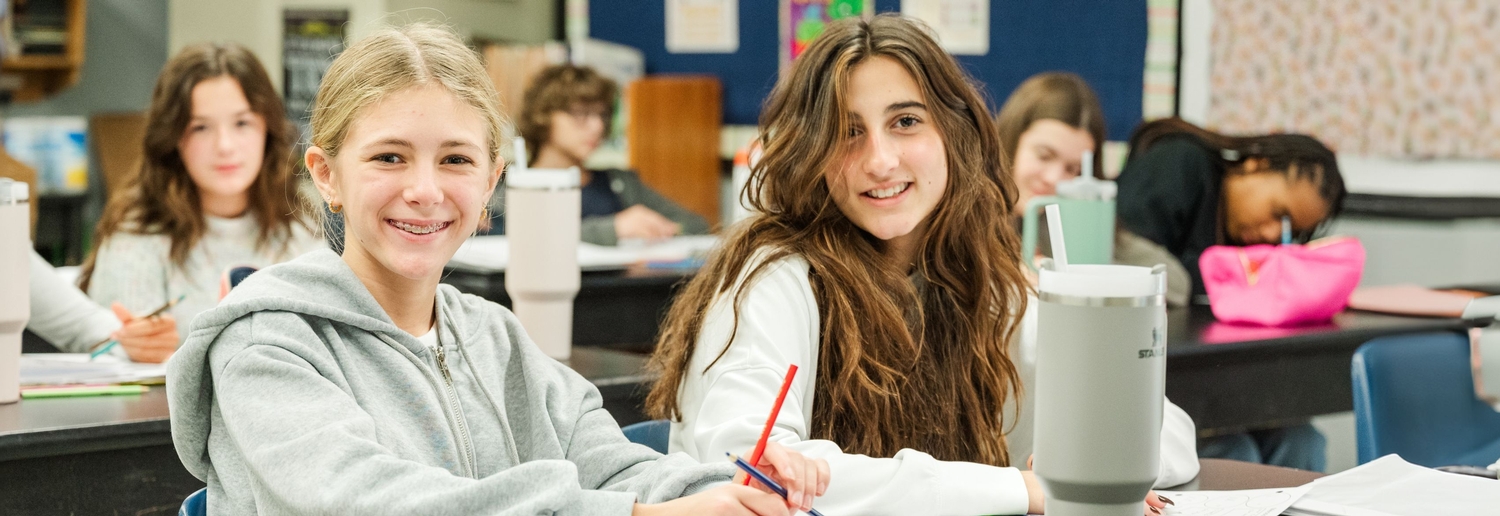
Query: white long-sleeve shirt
point(62, 315)
point(724, 409)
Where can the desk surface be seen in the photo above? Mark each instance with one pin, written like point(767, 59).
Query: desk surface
point(53, 426)
point(1230, 378)
point(1222, 474)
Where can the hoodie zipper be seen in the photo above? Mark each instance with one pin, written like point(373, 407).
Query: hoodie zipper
point(464, 441)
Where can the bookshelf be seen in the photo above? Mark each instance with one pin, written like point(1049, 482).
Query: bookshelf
point(32, 76)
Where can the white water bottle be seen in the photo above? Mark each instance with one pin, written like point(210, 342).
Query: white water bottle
point(542, 222)
point(15, 287)
point(1100, 381)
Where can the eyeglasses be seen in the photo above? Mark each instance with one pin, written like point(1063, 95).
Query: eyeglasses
point(583, 114)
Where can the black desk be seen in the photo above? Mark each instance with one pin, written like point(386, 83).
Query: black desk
point(614, 309)
point(114, 455)
point(1231, 378)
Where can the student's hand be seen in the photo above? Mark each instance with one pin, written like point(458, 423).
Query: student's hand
point(727, 500)
point(152, 339)
point(640, 222)
point(1156, 504)
point(803, 478)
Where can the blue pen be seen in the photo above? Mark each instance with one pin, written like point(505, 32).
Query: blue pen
point(1286, 230)
point(762, 478)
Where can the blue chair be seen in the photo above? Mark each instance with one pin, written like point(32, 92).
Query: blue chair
point(1414, 397)
point(196, 504)
point(653, 433)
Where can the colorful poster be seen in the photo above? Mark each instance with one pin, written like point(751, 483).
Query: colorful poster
point(803, 20)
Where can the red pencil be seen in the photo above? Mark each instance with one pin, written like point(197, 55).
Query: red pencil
point(760, 446)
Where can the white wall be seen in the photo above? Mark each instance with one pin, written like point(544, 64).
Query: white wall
point(1428, 253)
point(257, 23)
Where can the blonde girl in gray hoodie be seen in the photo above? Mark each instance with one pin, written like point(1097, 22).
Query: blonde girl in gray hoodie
point(357, 384)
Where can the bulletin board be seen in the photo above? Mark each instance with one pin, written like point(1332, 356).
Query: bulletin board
point(1104, 42)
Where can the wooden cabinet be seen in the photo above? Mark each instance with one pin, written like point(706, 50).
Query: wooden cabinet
point(672, 138)
point(43, 75)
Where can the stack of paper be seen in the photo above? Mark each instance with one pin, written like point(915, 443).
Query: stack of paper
point(1389, 486)
point(76, 368)
point(492, 253)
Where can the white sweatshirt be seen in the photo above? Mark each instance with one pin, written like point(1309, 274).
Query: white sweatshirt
point(724, 408)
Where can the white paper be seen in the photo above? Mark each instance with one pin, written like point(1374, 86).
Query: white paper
point(962, 26)
point(76, 368)
point(703, 26)
point(1391, 486)
point(492, 253)
point(1248, 502)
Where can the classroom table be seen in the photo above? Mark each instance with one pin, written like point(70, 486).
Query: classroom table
point(1227, 378)
point(114, 454)
point(1225, 474)
point(1232, 378)
point(614, 309)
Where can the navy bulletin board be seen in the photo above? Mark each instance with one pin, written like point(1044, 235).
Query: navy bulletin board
point(1102, 40)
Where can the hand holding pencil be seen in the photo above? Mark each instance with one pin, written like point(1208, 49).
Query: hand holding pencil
point(146, 339)
point(151, 338)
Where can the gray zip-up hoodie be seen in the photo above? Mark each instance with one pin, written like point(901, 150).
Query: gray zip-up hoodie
point(298, 395)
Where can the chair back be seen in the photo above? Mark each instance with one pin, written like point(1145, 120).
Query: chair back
point(654, 434)
point(1414, 396)
point(196, 504)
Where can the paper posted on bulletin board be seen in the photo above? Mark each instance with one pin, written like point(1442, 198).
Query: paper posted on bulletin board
point(703, 26)
point(961, 26)
point(804, 20)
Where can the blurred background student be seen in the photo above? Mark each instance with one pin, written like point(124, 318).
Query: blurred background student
point(214, 189)
point(1188, 188)
point(1046, 125)
point(566, 113)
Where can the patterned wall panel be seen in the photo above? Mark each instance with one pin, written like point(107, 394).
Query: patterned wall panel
point(1387, 78)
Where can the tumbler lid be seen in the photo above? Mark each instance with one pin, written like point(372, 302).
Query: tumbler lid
point(14, 192)
point(1103, 280)
point(543, 178)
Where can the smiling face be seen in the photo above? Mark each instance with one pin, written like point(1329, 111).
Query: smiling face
point(895, 169)
point(413, 175)
point(1048, 152)
point(223, 146)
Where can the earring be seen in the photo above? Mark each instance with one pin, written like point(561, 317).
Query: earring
point(335, 208)
point(484, 214)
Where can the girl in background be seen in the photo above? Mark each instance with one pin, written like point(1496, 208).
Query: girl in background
point(357, 384)
point(882, 261)
point(1045, 126)
point(1187, 188)
point(566, 115)
point(214, 189)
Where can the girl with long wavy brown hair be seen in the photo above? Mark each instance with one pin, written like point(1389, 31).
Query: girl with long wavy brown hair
point(214, 189)
point(883, 263)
